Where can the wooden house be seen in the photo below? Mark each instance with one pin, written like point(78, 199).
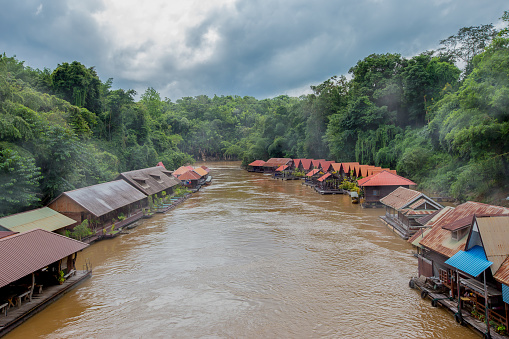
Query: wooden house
point(102, 203)
point(449, 228)
point(305, 165)
point(486, 250)
point(182, 170)
point(328, 183)
point(151, 180)
point(273, 163)
point(379, 185)
point(403, 208)
point(36, 267)
point(312, 176)
point(190, 179)
point(44, 218)
point(256, 166)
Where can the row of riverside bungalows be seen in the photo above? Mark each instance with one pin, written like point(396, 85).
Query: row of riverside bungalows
point(116, 203)
point(326, 176)
point(193, 178)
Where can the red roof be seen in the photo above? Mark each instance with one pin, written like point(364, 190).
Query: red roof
point(336, 166)
point(325, 176)
point(326, 165)
point(281, 168)
point(296, 162)
point(24, 253)
point(205, 168)
point(189, 175)
point(257, 163)
point(385, 178)
point(181, 170)
point(306, 163)
point(349, 166)
point(313, 172)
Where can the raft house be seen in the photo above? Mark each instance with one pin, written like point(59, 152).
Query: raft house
point(379, 185)
point(37, 268)
point(112, 204)
point(453, 253)
point(404, 207)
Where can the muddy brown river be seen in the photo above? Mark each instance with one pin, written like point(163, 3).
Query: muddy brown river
point(249, 257)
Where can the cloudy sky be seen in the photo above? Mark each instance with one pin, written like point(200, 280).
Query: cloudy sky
point(260, 48)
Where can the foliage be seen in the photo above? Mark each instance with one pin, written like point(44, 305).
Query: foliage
point(19, 181)
point(81, 231)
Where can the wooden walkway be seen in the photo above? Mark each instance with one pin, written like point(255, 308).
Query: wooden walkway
point(452, 306)
point(17, 315)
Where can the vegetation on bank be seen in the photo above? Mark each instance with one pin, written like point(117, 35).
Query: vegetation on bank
point(442, 127)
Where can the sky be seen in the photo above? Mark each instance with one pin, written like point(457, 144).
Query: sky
point(258, 48)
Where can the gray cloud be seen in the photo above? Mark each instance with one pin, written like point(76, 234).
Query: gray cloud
point(259, 48)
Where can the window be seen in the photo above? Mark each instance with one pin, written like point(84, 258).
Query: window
point(376, 192)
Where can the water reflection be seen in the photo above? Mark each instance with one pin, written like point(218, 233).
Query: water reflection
point(249, 257)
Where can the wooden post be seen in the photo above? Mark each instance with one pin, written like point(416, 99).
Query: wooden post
point(486, 310)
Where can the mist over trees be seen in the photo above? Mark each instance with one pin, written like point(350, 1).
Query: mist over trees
point(444, 127)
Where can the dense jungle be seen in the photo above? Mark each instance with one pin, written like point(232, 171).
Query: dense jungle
point(440, 118)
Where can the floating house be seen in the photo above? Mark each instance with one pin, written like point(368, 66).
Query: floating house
point(256, 166)
point(102, 203)
point(404, 207)
point(190, 179)
point(486, 249)
point(448, 235)
point(273, 163)
point(151, 181)
point(182, 170)
point(37, 267)
point(380, 185)
point(44, 218)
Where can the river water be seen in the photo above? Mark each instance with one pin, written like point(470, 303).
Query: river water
point(249, 257)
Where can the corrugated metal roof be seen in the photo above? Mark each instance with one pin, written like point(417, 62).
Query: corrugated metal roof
point(45, 218)
point(386, 178)
point(200, 171)
point(276, 162)
point(306, 164)
point(502, 274)
point(190, 175)
point(494, 233)
point(182, 170)
point(281, 168)
point(418, 236)
point(104, 198)
point(24, 253)
point(336, 166)
point(440, 239)
point(323, 177)
point(157, 179)
point(401, 197)
point(313, 172)
point(257, 163)
point(416, 212)
point(472, 262)
point(4, 234)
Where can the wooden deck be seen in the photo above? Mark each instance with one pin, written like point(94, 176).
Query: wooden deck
point(18, 314)
point(452, 306)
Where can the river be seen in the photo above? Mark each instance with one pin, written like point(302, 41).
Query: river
point(249, 257)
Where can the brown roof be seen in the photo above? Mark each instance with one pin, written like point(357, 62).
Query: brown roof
point(104, 198)
point(440, 239)
point(189, 175)
point(155, 179)
point(502, 274)
point(205, 168)
point(201, 171)
point(385, 178)
point(400, 197)
point(495, 240)
point(24, 253)
point(276, 162)
point(182, 170)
